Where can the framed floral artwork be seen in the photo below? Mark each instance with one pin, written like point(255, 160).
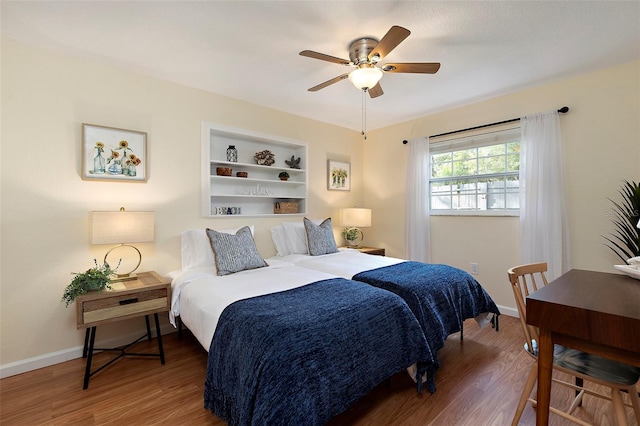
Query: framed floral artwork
point(338, 176)
point(112, 154)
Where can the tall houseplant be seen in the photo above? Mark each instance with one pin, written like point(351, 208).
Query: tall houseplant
point(625, 242)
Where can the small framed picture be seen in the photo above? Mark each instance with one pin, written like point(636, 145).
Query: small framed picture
point(113, 154)
point(338, 176)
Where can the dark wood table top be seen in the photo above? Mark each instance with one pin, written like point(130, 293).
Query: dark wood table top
point(598, 307)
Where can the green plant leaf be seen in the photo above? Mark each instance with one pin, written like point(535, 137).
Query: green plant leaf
point(96, 278)
point(625, 241)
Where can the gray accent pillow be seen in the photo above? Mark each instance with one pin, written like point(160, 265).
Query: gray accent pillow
point(235, 253)
point(320, 238)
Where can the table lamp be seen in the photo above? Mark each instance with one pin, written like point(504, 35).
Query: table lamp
point(353, 219)
point(122, 227)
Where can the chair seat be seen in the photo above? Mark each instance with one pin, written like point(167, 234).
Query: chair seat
point(591, 365)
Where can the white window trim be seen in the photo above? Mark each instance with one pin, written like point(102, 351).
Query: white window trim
point(490, 213)
point(474, 139)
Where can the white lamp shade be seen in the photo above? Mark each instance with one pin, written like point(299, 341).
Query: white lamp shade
point(355, 217)
point(365, 78)
point(122, 227)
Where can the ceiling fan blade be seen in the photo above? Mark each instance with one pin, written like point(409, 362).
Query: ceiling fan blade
point(323, 57)
point(328, 82)
point(413, 67)
point(391, 39)
point(375, 91)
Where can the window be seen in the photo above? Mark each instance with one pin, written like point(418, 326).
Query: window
point(476, 175)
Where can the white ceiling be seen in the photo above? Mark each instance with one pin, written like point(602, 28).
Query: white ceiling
point(248, 50)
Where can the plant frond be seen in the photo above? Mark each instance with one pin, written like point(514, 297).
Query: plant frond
point(625, 241)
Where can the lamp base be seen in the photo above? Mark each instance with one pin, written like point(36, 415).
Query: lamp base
point(353, 236)
point(125, 276)
point(121, 278)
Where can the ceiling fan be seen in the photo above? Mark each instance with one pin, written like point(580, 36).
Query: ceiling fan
point(364, 56)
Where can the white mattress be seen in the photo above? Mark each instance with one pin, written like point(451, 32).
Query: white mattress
point(344, 263)
point(199, 296)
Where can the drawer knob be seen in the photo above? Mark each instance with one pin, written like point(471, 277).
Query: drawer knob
point(129, 301)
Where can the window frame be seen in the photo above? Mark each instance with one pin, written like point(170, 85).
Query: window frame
point(501, 135)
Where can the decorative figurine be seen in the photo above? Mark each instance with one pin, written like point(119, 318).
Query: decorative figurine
point(293, 163)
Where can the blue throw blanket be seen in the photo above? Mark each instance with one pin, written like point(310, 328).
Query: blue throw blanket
point(302, 356)
point(440, 296)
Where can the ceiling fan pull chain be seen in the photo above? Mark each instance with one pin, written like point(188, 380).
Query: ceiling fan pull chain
point(364, 113)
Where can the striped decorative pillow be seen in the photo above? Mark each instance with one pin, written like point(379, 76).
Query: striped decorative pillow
point(235, 253)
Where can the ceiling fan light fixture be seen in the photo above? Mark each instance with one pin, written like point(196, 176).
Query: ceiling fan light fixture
point(365, 77)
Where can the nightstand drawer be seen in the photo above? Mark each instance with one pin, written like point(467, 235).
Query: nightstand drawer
point(123, 305)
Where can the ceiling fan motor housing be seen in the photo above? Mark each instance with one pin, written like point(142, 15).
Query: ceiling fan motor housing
point(360, 49)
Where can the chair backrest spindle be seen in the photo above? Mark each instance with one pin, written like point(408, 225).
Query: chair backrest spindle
point(527, 279)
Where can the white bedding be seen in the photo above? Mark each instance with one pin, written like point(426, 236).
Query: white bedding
point(345, 263)
point(199, 295)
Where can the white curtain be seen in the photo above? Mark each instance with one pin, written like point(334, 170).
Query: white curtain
point(417, 235)
point(544, 231)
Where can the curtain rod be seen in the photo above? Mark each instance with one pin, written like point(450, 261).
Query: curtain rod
point(562, 110)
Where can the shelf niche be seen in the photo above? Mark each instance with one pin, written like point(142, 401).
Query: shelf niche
point(256, 194)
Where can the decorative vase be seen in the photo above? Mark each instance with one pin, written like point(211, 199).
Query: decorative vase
point(232, 153)
point(98, 164)
point(116, 168)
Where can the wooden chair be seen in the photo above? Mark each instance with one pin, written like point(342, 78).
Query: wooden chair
point(526, 279)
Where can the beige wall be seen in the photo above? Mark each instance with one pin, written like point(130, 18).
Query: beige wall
point(45, 204)
point(601, 147)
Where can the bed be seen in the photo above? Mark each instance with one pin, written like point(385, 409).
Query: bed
point(440, 296)
point(289, 345)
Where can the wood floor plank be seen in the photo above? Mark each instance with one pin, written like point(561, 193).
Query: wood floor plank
point(478, 384)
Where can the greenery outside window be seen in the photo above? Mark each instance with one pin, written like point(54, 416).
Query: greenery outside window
point(476, 175)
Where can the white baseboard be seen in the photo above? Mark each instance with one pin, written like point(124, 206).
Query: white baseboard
point(509, 311)
point(52, 358)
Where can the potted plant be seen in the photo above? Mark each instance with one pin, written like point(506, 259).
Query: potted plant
point(93, 279)
point(625, 242)
point(283, 175)
point(353, 236)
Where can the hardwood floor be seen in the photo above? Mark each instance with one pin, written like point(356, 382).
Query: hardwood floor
point(479, 383)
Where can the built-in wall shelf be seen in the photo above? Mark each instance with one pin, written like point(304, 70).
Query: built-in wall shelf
point(256, 194)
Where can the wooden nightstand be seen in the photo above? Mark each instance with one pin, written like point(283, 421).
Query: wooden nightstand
point(372, 250)
point(148, 294)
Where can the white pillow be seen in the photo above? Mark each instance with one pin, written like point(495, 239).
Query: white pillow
point(196, 249)
point(279, 240)
point(296, 236)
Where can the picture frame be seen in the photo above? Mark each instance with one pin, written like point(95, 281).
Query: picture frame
point(113, 154)
point(338, 175)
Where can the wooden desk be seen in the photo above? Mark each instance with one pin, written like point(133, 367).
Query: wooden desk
point(594, 312)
